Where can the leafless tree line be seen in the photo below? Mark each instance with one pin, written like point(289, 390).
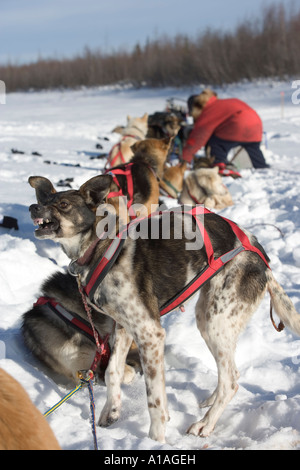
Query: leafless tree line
point(268, 46)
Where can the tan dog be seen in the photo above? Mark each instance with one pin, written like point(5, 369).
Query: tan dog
point(135, 130)
point(22, 427)
point(172, 180)
point(153, 152)
point(205, 186)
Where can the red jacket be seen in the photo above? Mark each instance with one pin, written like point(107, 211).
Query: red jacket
point(229, 119)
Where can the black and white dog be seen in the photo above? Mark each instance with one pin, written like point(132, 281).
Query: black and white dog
point(55, 329)
point(141, 281)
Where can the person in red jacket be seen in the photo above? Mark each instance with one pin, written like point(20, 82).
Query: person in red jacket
point(222, 124)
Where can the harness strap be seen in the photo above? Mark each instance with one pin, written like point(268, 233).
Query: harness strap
point(127, 172)
point(193, 197)
point(80, 324)
point(123, 172)
point(119, 154)
point(168, 183)
point(98, 272)
point(214, 265)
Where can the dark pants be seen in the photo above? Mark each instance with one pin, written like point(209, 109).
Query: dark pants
point(219, 149)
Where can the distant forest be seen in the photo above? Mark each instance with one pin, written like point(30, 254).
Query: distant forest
point(267, 46)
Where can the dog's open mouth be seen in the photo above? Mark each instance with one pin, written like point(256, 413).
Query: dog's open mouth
point(45, 226)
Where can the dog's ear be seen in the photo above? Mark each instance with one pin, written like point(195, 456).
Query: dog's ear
point(95, 190)
point(168, 140)
point(43, 188)
point(183, 165)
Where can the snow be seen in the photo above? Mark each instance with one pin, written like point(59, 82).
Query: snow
point(64, 127)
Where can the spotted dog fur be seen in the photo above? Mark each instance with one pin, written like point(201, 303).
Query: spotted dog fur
point(142, 280)
point(54, 342)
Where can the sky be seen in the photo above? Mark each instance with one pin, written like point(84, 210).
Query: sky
point(30, 29)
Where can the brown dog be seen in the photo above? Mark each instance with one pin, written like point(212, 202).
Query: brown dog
point(22, 426)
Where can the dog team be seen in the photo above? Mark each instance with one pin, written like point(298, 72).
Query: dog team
point(104, 313)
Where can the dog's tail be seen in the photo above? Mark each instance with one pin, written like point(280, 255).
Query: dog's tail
point(283, 305)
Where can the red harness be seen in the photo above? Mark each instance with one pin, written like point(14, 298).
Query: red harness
point(119, 154)
point(127, 171)
point(214, 265)
point(102, 356)
point(98, 272)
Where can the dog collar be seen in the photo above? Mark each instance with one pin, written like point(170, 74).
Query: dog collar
point(168, 183)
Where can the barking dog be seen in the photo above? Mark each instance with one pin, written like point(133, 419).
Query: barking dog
point(205, 186)
point(139, 284)
point(135, 130)
point(46, 333)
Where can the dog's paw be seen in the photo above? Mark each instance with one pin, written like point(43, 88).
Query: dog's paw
point(108, 416)
point(157, 435)
point(201, 428)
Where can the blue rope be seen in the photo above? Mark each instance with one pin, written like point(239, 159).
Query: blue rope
point(92, 408)
point(88, 382)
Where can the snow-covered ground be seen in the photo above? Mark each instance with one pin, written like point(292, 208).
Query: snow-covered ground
point(64, 127)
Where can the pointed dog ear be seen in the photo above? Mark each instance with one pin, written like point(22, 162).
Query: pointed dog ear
point(43, 188)
point(95, 190)
point(168, 140)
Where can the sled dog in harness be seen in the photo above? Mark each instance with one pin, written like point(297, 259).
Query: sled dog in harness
point(98, 273)
point(147, 274)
